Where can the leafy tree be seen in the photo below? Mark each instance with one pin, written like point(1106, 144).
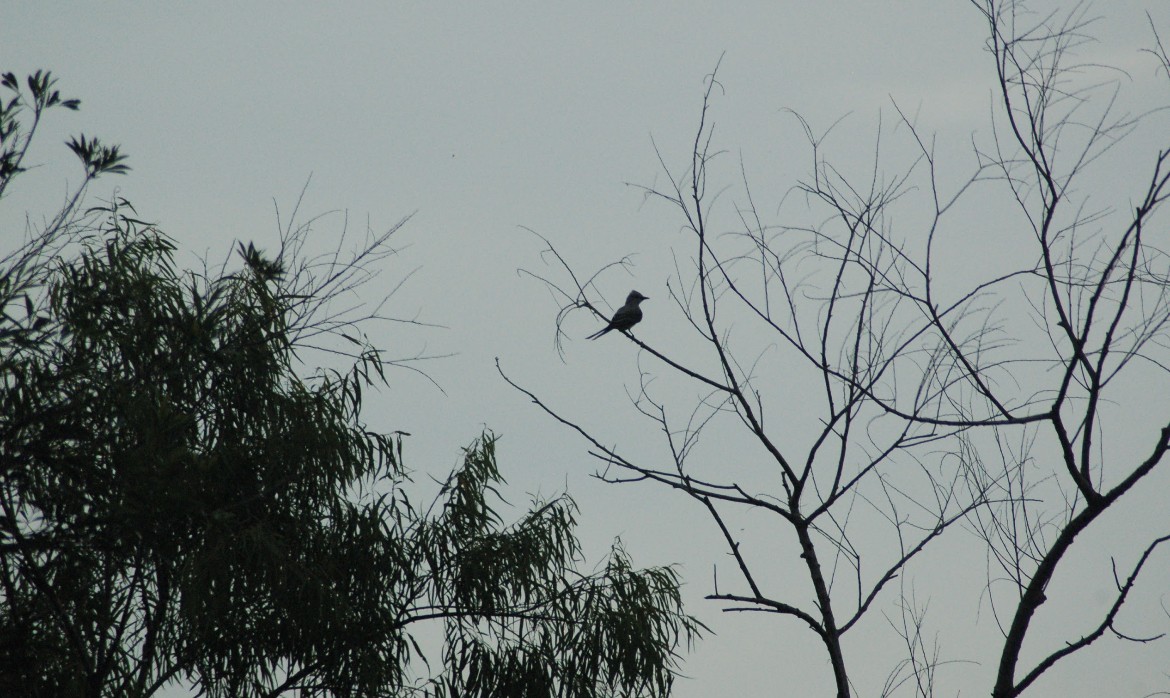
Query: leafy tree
point(179, 506)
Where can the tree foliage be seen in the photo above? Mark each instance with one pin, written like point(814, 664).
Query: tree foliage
point(178, 505)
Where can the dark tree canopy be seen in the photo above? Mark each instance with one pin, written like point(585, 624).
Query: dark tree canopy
point(178, 505)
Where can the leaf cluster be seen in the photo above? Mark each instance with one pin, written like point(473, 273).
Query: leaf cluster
point(16, 135)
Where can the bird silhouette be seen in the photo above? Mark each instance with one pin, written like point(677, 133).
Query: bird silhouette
point(626, 316)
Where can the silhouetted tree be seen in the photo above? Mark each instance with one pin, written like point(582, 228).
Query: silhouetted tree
point(925, 405)
point(178, 506)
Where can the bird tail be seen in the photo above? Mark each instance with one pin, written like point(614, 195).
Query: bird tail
point(597, 334)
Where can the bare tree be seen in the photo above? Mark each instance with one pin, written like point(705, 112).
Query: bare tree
point(930, 403)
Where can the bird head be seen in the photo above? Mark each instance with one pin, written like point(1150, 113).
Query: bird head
point(635, 298)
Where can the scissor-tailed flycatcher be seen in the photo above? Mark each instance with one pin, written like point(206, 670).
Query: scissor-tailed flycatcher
point(626, 316)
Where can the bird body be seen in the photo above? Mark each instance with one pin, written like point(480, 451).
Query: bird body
point(626, 316)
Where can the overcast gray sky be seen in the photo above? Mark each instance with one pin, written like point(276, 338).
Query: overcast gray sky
point(483, 119)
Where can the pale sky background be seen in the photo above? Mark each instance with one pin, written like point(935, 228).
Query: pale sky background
point(484, 118)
